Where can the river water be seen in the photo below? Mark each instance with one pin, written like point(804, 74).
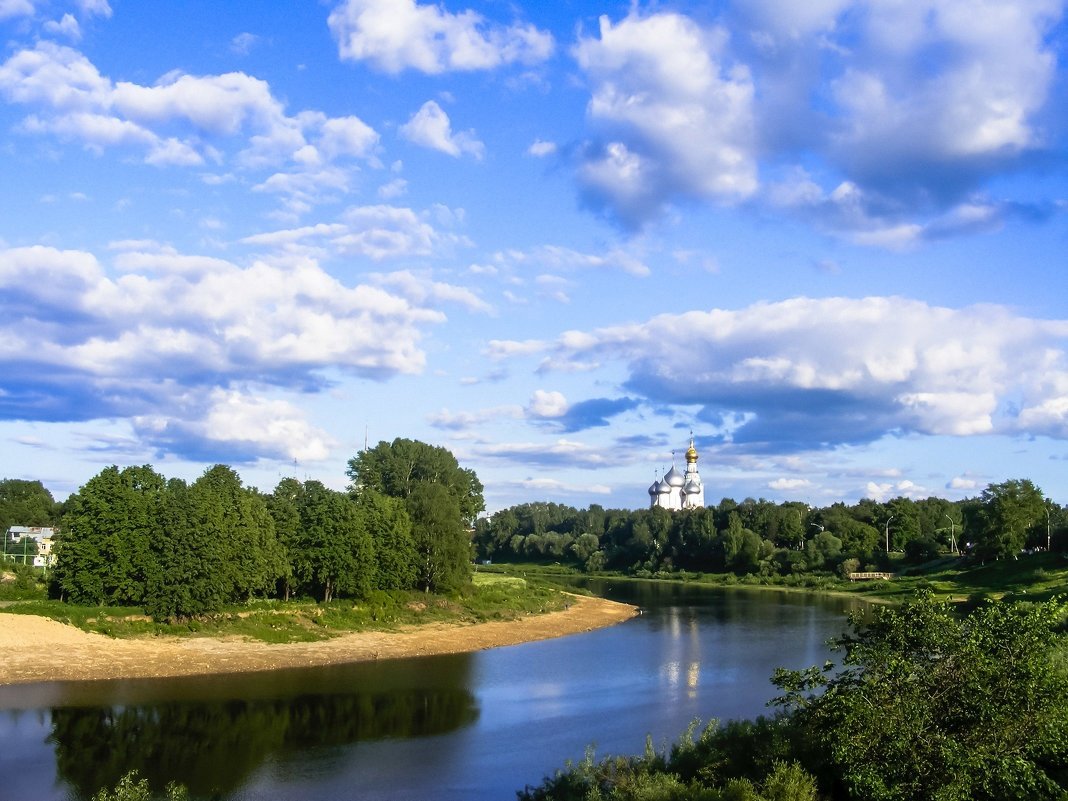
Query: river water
point(451, 728)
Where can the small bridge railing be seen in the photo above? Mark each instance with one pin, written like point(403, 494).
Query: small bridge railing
point(867, 576)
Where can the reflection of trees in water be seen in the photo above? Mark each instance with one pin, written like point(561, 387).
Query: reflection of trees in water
point(214, 747)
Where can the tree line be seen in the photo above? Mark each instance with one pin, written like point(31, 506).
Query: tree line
point(132, 537)
point(762, 537)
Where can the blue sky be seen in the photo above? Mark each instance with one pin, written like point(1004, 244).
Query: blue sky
point(829, 237)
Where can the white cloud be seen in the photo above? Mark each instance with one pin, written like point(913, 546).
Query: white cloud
point(540, 149)
point(66, 26)
point(15, 8)
point(423, 291)
point(547, 404)
point(185, 120)
point(169, 327)
point(562, 452)
point(789, 484)
point(243, 43)
point(430, 127)
point(398, 187)
point(676, 117)
point(463, 421)
point(347, 136)
point(963, 483)
point(237, 418)
point(377, 232)
point(838, 370)
point(99, 8)
point(395, 35)
point(563, 258)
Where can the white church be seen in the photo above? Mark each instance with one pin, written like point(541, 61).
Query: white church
point(677, 490)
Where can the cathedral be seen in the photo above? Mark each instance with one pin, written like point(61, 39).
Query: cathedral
point(679, 490)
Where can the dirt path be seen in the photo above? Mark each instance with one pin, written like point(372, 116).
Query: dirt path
point(38, 649)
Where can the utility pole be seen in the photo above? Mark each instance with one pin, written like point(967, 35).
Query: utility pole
point(887, 532)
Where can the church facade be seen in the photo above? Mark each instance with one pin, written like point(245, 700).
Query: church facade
point(676, 490)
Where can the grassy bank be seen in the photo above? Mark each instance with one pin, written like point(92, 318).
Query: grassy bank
point(491, 597)
point(1033, 577)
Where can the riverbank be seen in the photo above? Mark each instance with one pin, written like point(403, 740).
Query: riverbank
point(34, 649)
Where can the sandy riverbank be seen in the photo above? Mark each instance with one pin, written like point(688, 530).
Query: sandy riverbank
point(38, 649)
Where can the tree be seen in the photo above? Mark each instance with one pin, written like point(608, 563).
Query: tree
point(190, 579)
point(334, 554)
point(284, 507)
point(444, 552)
point(929, 705)
point(242, 528)
point(25, 503)
point(742, 546)
point(395, 469)
point(386, 521)
point(105, 555)
point(1009, 510)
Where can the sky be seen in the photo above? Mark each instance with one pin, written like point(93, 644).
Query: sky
point(829, 238)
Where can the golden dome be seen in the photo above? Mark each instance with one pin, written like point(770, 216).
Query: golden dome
point(691, 453)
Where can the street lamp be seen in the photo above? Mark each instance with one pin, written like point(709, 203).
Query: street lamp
point(887, 532)
point(1048, 542)
point(952, 539)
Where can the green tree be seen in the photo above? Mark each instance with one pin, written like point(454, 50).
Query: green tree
point(822, 551)
point(284, 507)
point(25, 503)
point(238, 520)
point(105, 555)
point(442, 547)
point(395, 468)
point(191, 564)
point(929, 705)
point(741, 546)
point(387, 522)
point(1009, 510)
point(334, 554)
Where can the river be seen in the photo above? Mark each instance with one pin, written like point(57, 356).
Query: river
point(452, 728)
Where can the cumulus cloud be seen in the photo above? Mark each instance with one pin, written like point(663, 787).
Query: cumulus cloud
point(231, 425)
point(396, 35)
point(430, 127)
point(674, 117)
point(895, 145)
point(807, 372)
point(187, 120)
point(157, 333)
point(547, 404)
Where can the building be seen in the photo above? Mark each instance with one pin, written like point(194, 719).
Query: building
point(677, 490)
point(43, 536)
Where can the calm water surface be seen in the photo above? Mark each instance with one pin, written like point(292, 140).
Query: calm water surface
point(464, 727)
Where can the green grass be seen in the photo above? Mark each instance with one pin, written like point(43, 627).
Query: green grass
point(489, 597)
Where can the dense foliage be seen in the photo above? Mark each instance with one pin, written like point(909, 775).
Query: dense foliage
point(132, 537)
point(929, 705)
point(25, 503)
point(926, 705)
point(787, 539)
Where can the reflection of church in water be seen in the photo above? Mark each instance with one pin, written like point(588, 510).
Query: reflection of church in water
point(679, 490)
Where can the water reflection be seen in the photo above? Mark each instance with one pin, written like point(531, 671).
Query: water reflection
point(214, 747)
